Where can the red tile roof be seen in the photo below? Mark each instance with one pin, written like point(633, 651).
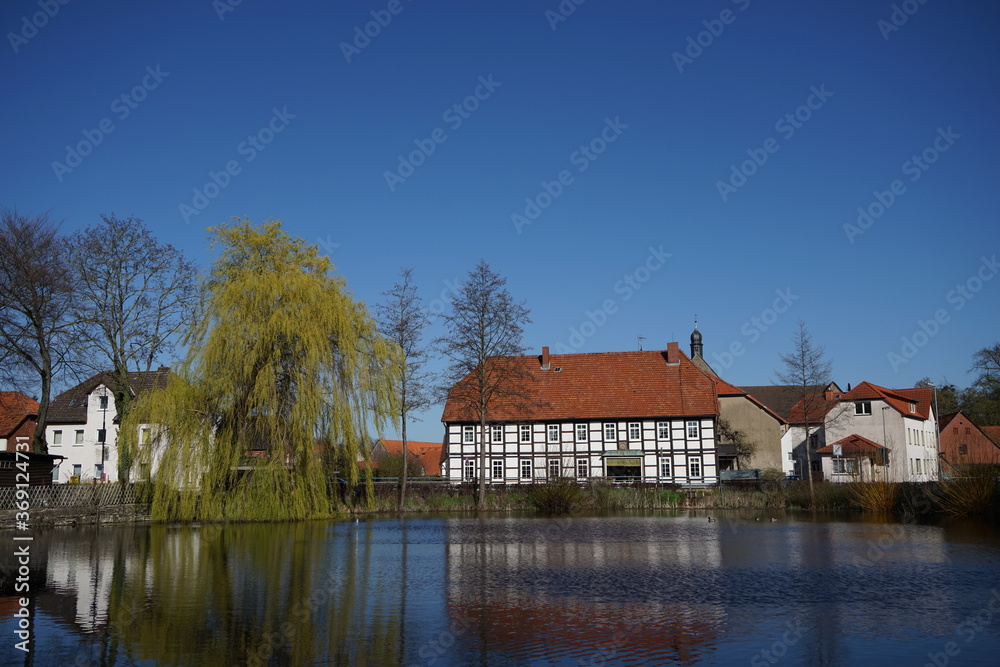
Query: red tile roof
point(429, 453)
point(921, 397)
point(608, 385)
point(992, 432)
point(815, 406)
point(15, 407)
point(852, 445)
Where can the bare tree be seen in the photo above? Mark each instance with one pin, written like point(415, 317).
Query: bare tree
point(983, 397)
point(402, 321)
point(37, 321)
point(482, 344)
point(806, 368)
point(135, 295)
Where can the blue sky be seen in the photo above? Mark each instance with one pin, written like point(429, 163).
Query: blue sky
point(684, 158)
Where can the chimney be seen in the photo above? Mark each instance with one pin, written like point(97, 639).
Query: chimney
point(673, 354)
point(545, 358)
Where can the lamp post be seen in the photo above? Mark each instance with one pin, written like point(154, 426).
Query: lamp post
point(937, 431)
point(104, 434)
point(885, 443)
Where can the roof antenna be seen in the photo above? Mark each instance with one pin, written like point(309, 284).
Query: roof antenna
point(641, 338)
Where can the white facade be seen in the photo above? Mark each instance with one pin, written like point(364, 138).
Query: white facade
point(911, 440)
point(669, 450)
point(81, 444)
point(794, 447)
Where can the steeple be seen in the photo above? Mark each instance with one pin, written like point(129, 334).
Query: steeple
point(696, 346)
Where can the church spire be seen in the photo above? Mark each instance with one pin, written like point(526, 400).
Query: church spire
point(696, 346)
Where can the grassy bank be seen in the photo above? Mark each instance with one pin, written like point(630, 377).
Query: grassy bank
point(955, 498)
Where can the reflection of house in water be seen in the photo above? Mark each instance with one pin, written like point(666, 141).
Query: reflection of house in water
point(586, 588)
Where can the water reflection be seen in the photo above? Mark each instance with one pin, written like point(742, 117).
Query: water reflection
point(665, 588)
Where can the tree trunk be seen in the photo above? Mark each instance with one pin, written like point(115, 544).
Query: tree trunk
point(406, 460)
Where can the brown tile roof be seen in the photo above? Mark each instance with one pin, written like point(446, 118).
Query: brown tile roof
point(992, 432)
point(780, 398)
point(608, 385)
point(15, 407)
point(852, 445)
point(70, 407)
point(429, 453)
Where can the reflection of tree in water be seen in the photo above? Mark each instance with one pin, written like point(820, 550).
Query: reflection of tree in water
point(249, 595)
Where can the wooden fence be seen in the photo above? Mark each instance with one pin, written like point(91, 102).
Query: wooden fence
point(72, 495)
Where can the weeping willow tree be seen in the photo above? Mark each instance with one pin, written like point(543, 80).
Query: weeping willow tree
point(283, 358)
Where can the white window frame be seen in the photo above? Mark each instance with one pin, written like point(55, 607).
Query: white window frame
point(78, 437)
point(468, 435)
point(78, 471)
point(634, 432)
point(552, 433)
point(145, 434)
point(666, 467)
point(554, 465)
point(845, 466)
point(525, 433)
point(495, 465)
point(582, 433)
point(693, 429)
point(525, 466)
point(863, 408)
point(610, 431)
point(663, 430)
point(469, 469)
point(496, 434)
point(694, 467)
point(57, 437)
point(582, 468)
point(55, 472)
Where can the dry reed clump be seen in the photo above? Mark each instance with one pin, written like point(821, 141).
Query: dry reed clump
point(556, 497)
point(875, 495)
point(969, 491)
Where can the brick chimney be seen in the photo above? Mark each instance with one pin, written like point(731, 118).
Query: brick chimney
point(673, 354)
point(545, 358)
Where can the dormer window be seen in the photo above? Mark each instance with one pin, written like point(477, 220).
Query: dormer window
point(863, 408)
point(913, 408)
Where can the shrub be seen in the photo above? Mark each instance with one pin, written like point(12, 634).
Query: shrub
point(875, 495)
point(556, 497)
point(970, 491)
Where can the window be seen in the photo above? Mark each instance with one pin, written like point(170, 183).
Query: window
point(470, 469)
point(913, 407)
point(525, 468)
point(101, 435)
point(496, 433)
point(468, 434)
point(525, 433)
point(553, 433)
point(581, 433)
point(56, 437)
point(102, 402)
point(845, 466)
point(692, 429)
point(663, 430)
point(816, 466)
point(143, 472)
point(814, 441)
point(79, 438)
point(582, 468)
point(791, 456)
point(863, 408)
point(55, 473)
point(664, 467)
point(77, 470)
point(553, 468)
point(497, 469)
point(144, 436)
point(610, 432)
point(99, 471)
point(968, 430)
point(634, 433)
point(694, 466)
point(919, 471)
point(963, 449)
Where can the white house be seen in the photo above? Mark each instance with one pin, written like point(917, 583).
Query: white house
point(645, 416)
point(900, 420)
point(82, 425)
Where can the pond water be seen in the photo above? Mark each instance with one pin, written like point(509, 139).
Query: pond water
point(668, 588)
